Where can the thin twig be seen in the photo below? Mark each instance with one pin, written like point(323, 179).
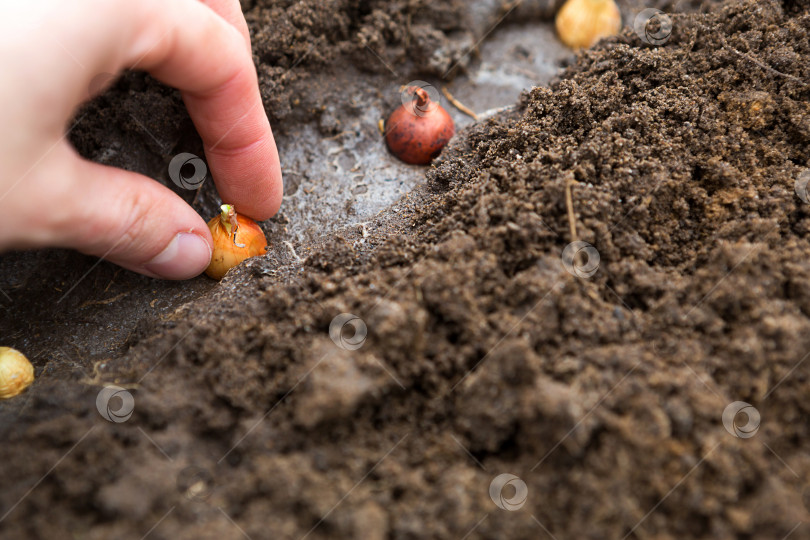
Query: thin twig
point(569, 203)
point(103, 302)
point(459, 105)
point(763, 65)
point(292, 250)
point(753, 60)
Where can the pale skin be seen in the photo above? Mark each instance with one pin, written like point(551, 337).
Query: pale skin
point(52, 51)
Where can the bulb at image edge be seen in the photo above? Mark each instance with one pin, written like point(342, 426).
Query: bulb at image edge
point(236, 238)
point(581, 23)
point(16, 372)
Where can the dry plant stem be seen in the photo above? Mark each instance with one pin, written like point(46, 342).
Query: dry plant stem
point(762, 65)
point(569, 203)
point(459, 105)
point(104, 302)
point(196, 198)
point(292, 251)
point(753, 60)
point(509, 6)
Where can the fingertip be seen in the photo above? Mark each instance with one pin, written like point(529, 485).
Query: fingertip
point(264, 208)
point(207, 61)
point(187, 255)
point(231, 11)
point(249, 178)
point(134, 222)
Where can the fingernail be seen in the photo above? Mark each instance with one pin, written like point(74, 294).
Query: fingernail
point(186, 256)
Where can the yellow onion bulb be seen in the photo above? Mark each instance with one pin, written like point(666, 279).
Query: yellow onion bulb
point(16, 372)
point(236, 238)
point(581, 23)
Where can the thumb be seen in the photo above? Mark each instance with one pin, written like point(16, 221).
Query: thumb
point(130, 220)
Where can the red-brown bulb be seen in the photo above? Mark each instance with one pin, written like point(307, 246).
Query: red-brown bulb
point(417, 131)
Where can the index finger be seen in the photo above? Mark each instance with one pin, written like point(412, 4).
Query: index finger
point(231, 11)
point(185, 44)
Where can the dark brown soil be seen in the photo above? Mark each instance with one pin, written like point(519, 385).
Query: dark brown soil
point(484, 355)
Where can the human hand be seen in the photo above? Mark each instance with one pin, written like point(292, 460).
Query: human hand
point(50, 51)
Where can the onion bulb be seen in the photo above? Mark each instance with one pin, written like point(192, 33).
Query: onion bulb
point(16, 372)
point(417, 131)
point(581, 23)
point(236, 238)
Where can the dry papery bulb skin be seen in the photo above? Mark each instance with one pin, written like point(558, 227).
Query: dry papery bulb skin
point(236, 238)
point(417, 131)
point(16, 372)
point(581, 23)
